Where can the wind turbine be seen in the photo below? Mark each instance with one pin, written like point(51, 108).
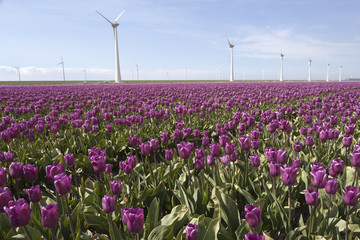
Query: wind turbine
point(137, 70)
point(281, 71)
point(309, 78)
point(231, 46)
point(328, 72)
point(85, 75)
point(18, 69)
point(340, 73)
point(114, 25)
point(62, 63)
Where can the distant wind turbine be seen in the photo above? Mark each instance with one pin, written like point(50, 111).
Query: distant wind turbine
point(85, 75)
point(281, 71)
point(63, 69)
point(114, 25)
point(137, 71)
point(18, 69)
point(340, 70)
point(231, 46)
point(328, 72)
point(309, 78)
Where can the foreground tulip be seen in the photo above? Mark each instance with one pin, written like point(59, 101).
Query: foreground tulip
point(54, 169)
point(199, 162)
point(254, 236)
point(192, 232)
point(5, 197)
point(34, 194)
point(271, 154)
point(311, 197)
point(255, 160)
point(184, 150)
point(3, 178)
point(210, 160)
point(145, 148)
point(288, 175)
point(49, 215)
point(274, 169)
point(298, 146)
point(30, 173)
point(16, 170)
point(318, 178)
point(245, 143)
point(133, 218)
point(331, 186)
point(252, 215)
point(69, 159)
point(108, 203)
point(224, 159)
point(214, 149)
point(62, 183)
point(350, 195)
point(116, 187)
point(169, 154)
point(18, 212)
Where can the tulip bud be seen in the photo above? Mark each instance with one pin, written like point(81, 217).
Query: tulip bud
point(255, 160)
point(192, 232)
point(30, 173)
point(53, 170)
point(298, 146)
point(350, 195)
point(210, 160)
point(254, 236)
point(62, 183)
point(69, 159)
point(214, 149)
point(34, 194)
point(133, 218)
point(252, 215)
point(5, 197)
point(3, 178)
point(116, 187)
point(311, 197)
point(169, 154)
point(274, 169)
point(16, 170)
point(108, 203)
point(288, 175)
point(49, 215)
point(331, 186)
point(18, 212)
point(318, 178)
point(336, 167)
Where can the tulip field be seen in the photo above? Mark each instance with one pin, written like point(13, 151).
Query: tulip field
point(180, 161)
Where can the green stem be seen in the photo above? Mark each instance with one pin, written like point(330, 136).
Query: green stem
point(311, 220)
point(328, 216)
point(274, 185)
point(53, 234)
point(188, 167)
point(150, 169)
point(289, 220)
point(347, 222)
point(69, 217)
point(27, 232)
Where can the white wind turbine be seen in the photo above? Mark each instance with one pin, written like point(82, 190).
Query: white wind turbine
point(281, 71)
point(231, 46)
point(18, 69)
point(340, 70)
point(63, 69)
point(137, 71)
point(328, 72)
point(309, 78)
point(114, 25)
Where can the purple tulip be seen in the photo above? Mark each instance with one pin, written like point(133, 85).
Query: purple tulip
point(309, 141)
point(192, 232)
point(154, 144)
point(296, 162)
point(116, 187)
point(109, 128)
point(125, 166)
point(288, 175)
point(255, 134)
point(303, 131)
point(49, 215)
point(16, 170)
point(30, 173)
point(229, 148)
point(34, 194)
point(186, 132)
point(318, 178)
point(245, 143)
point(205, 141)
point(311, 197)
point(164, 137)
point(99, 164)
point(214, 149)
point(133, 218)
point(176, 134)
point(108, 203)
point(255, 160)
point(133, 140)
point(331, 186)
point(252, 215)
point(233, 157)
point(224, 159)
point(131, 160)
point(3, 178)
point(210, 160)
point(62, 183)
point(347, 141)
point(169, 154)
point(255, 144)
point(350, 195)
point(199, 162)
point(18, 212)
point(349, 129)
point(52, 170)
point(274, 169)
point(184, 150)
point(196, 133)
point(298, 146)
point(271, 154)
point(5, 197)
point(281, 156)
point(254, 236)
point(9, 157)
point(145, 148)
point(200, 152)
point(108, 168)
point(355, 159)
point(323, 135)
point(336, 167)
point(316, 166)
point(69, 159)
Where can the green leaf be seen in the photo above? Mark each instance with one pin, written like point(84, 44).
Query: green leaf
point(228, 210)
point(98, 222)
point(212, 229)
point(114, 231)
point(152, 217)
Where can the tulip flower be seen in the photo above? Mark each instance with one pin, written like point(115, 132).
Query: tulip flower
point(99, 165)
point(169, 154)
point(311, 196)
point(108, 168)
point(116, 187)
point(62, 183)
point(255, 144)
point(18, 212)
point(281, 156)
point(5, 197)
point(255, 160)
point(69, 159)
point(9, 157)
point(52, 170)
point(145, 148)
point(3, 178)
point(229, 148)
point(49, 215)
point(108, 203)
point(210, 160)
point(255, 134)
point(347, 141)
point(34, 194)
point(318, 178)
point(298, 147)
point(214, 149)
point(133, 218)
point(184, 150)
point(274, 169)
point(192, 232)
point(233, 157)
point(30, 173)
point(254, 236)
point(205, 141)
point(16, 170)
point(224, 159)
point(199, 162)
point(223, 139)
point(309, 141)
point(350, 195)
point(245, 143)
point(252, 215)
point(288, 175)
point(331, 186)
point(154, 144)
point(164, 137)
point(271, 154)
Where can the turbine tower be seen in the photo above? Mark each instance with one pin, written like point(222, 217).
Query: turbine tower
point(309, 78)
point(328, 72)
point(18, 69)
point(231, 46)
point(281, 71)
point(114, 25)
point(137, 71)
point(340, 73)
point(63, 69)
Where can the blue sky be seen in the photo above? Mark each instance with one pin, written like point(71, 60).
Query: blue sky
point(163, 37)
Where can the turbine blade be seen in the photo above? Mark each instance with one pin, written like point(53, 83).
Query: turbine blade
point(103, 16)
point(119, 15)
